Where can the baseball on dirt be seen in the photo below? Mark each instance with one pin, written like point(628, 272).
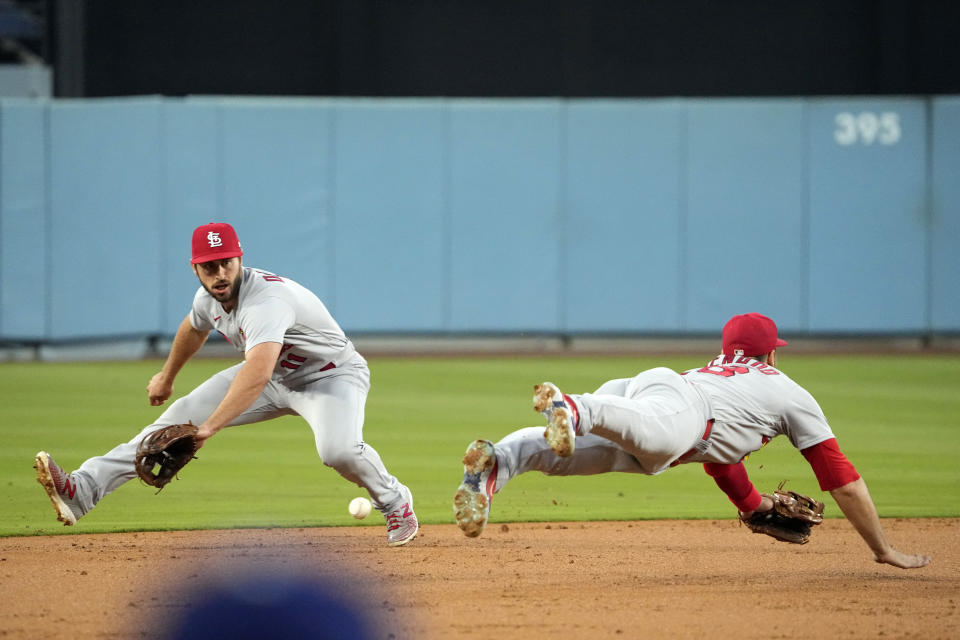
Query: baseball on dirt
point(360, 508)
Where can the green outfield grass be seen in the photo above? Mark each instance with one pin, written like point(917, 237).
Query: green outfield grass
point(894, 416)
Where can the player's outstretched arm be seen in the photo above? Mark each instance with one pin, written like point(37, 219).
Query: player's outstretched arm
point(857, 505)
point(247, 385)
point(185, 344)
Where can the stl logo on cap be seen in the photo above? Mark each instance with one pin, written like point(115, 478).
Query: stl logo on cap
point(215, 241)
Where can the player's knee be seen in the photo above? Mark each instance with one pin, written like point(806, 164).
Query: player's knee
point(342, 457)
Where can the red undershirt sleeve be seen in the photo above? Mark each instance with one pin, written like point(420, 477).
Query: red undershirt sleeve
point(733, 481)
point(831, 467)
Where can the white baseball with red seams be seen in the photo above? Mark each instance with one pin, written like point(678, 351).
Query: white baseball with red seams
point(360, 508)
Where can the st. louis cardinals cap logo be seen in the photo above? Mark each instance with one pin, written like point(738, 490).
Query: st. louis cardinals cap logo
point(215, 241)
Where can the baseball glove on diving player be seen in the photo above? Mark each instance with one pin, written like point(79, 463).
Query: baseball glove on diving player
point(162, 454)
point(791, 518)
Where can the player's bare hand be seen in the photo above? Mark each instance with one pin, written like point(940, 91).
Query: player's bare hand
point(766, 503)
point(159, 389)
point(902, 560)
point(204, 432)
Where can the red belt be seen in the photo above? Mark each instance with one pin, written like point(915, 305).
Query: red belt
point(704, 437)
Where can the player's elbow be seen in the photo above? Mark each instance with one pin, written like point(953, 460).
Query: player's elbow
point(257, 372)
point(261, 360)
point(831, 467)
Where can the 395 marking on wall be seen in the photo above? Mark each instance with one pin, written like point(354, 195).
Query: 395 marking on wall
point(867, 128)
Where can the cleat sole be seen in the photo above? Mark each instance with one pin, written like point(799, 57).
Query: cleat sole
point(479, 457)
point(542, 397)
point(470, 509)
point(559, 432)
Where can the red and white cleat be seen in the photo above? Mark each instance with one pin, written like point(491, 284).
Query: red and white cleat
point(61, 488)
point(402, 525)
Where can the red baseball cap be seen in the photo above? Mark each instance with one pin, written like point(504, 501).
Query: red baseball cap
point(215, 241)
point(750, 334)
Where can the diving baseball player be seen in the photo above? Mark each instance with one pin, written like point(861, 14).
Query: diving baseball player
point(715, 415)
point(297, 361)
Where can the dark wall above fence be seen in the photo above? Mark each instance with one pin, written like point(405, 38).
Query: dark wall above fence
point(505, 48)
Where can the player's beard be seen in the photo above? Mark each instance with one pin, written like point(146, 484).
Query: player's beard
point(230, 293)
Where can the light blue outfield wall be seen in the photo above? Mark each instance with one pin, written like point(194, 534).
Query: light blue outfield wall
point(622, 216)
point(24, 225)
point(869, 215)
point(744, 242)
point(192, 186)
point(504, 212)
point(390, 243)
point(836, 215)
point(945, 225)
point(106, 217)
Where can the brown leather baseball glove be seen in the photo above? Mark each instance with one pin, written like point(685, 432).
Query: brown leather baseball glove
point(162, 454)
point(791, 518)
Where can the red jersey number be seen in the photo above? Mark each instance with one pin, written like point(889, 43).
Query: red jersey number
point(292, 361)
point(724, 370)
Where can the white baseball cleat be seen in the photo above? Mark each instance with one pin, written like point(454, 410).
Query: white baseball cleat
point(471, 503)
point(402, 525)
point(61, 488)
point(562, 417)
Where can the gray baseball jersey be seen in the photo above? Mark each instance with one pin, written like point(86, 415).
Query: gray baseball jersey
point(751, 404)
point(271, 308)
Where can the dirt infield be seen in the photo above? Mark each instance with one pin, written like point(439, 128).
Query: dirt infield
point(651, 579)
